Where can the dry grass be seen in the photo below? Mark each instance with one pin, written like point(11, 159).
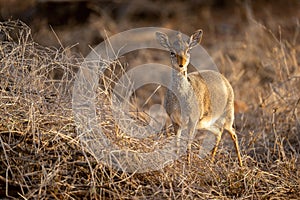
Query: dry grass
point(42, 158)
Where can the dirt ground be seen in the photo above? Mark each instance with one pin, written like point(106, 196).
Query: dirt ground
point(255, 44)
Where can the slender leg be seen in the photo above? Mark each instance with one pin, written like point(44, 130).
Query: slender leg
point(236, 144)
point(191, 132)
point(218, 133)
point(177, 131)
point(228, 126)
point(214, 151)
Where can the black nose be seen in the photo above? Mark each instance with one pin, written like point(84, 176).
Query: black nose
point(180, 65)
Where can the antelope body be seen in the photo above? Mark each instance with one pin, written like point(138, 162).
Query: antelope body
point(212, 107)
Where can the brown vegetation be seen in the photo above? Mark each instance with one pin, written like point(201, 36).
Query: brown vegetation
point(41, 156)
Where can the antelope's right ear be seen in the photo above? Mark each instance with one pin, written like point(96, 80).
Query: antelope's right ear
point(163, 39)
point(195, 38)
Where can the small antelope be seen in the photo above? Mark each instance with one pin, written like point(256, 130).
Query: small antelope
point(213, 94)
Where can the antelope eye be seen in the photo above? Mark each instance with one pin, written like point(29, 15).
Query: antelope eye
point(172, 54)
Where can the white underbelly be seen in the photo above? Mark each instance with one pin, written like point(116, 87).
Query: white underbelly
point(205, 123)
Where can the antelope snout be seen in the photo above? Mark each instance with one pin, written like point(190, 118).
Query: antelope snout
point(182, 61)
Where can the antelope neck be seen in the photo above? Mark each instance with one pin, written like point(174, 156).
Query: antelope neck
point(179, 79)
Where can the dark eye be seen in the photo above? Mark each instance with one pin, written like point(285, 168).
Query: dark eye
point(172, 54)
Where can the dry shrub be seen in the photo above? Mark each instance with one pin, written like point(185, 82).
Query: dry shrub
point(42, 158)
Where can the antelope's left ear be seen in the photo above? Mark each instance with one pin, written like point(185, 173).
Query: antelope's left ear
point(163, 39)
point(195, 38)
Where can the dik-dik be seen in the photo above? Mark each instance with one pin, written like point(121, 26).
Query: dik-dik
point(213, 94)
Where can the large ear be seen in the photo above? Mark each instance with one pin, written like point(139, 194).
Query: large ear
point(163, 39)
point(195, 38)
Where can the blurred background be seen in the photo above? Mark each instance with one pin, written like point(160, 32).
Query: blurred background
point(87, 22)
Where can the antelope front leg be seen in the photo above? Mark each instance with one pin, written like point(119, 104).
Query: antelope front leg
point(191, 134)
point(177, 131)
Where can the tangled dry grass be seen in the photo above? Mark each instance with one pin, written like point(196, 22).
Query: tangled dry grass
point(42, 158)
